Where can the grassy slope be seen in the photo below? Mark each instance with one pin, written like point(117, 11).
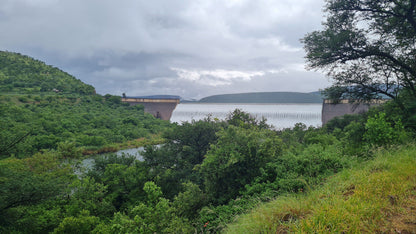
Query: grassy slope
point(378, 196)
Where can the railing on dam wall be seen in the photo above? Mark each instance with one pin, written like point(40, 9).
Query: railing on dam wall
point(161, 108)
point(148, 100)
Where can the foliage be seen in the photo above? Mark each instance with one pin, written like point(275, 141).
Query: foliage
point(236, 160)
point(153, 215)
point(91, 122)
point(30, 181)
point(376, 196)
point(381, 132)
point(243, 119)
point(203, 175)
point(22, 74)
point(366, 47)
point(89, 196)
point(185, 147)
point(84, 224)
point(189, 202)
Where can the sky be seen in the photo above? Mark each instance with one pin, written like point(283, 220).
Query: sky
point(189, 48)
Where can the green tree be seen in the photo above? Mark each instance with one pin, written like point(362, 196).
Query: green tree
point(25, 182)
point(88, 195)
point(243, 119)
point(190, 201)
point(69, 150)
point(186, 145)
point(153, 215)
point(366, 46)
point(84, 223)
point(236, 160)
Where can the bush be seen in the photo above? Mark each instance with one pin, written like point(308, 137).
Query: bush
point(69, 150)
point(381, 132)
point(23, 99)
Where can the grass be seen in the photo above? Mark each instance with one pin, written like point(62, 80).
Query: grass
point(377, 196)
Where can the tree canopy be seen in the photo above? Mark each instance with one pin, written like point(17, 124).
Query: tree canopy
point(367, 47)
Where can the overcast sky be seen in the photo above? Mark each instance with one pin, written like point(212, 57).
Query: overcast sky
point(190, 48)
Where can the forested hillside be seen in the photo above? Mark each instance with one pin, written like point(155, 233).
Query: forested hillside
point(23, 74)
point(265, 97)
point(44, 108)
point(93, 123)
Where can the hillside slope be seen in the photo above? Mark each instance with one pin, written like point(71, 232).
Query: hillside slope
point(23, 74)
point(264, 97)
point(377, 197)
point(44, 108)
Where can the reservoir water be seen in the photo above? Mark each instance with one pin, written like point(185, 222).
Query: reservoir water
point(279, 115)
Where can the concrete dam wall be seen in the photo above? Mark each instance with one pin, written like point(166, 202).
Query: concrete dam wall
point(331, 110)
point(160, 108)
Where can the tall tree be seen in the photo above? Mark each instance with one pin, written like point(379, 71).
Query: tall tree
point(367, 47)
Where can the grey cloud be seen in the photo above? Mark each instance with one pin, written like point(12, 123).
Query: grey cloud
point(131, 46)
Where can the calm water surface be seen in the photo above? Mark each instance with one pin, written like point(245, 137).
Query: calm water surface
point(279, 115)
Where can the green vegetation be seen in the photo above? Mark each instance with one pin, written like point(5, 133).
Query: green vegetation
point(375, 197)
point(355, 174)
point(264, 97)
point(72, 120)
point(24, 75)
point(366, 47)
point(205, 174)
point(91, 122)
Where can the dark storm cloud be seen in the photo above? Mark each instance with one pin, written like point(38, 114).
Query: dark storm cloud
point(191, 48)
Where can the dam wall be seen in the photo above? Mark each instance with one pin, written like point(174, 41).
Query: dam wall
point(331, 110)
point(159, 108)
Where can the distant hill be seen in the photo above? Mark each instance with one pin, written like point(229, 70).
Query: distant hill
point(265, 97)
point(23, 74)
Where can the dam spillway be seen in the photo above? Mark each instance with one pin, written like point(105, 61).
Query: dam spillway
point(160, 107)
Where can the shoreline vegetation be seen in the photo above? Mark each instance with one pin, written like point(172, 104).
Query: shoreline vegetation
point(140, 142)
point(355, 174)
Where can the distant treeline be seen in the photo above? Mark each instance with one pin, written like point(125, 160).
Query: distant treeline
point(265, 97)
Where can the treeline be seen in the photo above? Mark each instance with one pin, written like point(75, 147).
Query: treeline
point(204, 175)
point(23, 74)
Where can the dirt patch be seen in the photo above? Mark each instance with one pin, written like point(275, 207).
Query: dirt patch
point(349, 191)
point(405, 221)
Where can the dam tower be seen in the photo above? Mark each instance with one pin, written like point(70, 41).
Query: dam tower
point(160, 106)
